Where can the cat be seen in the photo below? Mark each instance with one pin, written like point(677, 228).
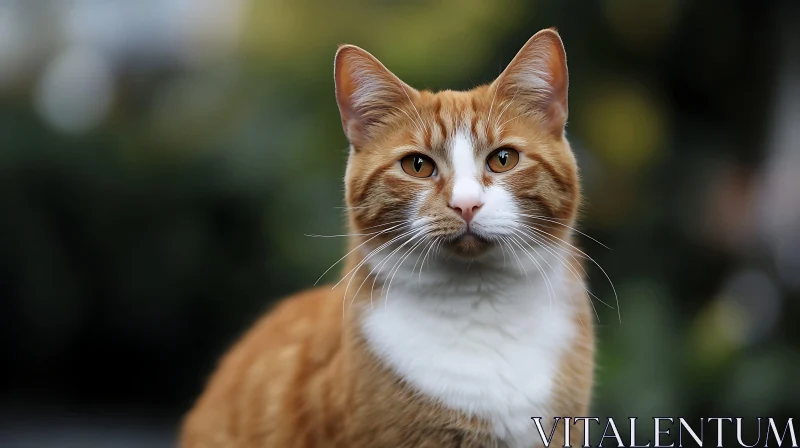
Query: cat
point(462, 312)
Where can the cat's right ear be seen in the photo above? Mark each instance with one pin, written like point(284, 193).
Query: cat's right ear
point(367, 92)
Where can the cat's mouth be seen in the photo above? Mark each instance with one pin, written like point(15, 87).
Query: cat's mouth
point(469, 244)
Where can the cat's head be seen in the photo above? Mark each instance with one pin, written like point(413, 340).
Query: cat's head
point(472, 170)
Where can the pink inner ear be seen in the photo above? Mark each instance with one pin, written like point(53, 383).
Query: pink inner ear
point(345, 87)
point(538, 77)
point(557, 67)
point(366, 91)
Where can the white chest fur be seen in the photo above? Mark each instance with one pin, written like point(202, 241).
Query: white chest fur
point(485, 343)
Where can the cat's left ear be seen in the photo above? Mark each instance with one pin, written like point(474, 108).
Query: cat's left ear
point(537, 78)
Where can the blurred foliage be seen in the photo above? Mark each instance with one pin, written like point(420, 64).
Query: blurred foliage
point(134, 252)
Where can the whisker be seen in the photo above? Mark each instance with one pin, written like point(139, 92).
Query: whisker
point(361, 263)
point(436, 250)
point(502, 125)
point(382, 263)
point(554, 248)
point(428, 243)
point(373, 252)
point(503, 250)
point(544, 243)
point(489, 117)
point(396, 269)
point(314, 235)
point(353, 250)
point(550, 289)
point(616, 297)
point(542, 218)
point(563, 261)
point(431, 247)
point(569, 295)
point(388, 223)
point(519, 262)
point(396, 265)
point(377, 266)
point(504, 109)
point(416, 124)
point(422, 122)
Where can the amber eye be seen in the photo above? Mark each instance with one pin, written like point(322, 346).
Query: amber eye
point(418, 165)
point(502, 160)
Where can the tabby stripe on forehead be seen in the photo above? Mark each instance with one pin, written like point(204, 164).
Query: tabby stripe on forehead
point(428, 136)
point(440, 120)
point(490, 135)
point(474, 124)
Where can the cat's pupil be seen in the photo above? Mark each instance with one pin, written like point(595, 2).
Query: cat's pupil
point(417, 164)
point(503, 157)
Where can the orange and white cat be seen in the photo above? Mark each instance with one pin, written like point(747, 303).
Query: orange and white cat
point(461, 313)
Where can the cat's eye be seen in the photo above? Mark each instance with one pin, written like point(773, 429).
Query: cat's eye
point(502, 160)
point(418, 165)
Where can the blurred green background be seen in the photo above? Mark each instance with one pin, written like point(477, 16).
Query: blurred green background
point(161, 161)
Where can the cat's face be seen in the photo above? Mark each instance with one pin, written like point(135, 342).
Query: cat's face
point(470, 170)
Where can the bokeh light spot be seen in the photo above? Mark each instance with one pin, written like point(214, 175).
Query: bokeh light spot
point(624, 125)
point(75, 91)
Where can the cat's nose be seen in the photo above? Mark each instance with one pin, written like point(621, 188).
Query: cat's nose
point(466, 207)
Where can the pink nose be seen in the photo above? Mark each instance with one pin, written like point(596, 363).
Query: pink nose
point(467, 208)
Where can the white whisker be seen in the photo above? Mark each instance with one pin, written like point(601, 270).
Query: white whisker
point(542, 218)
point(504, 109)
point(428, 243)
point(550, 290)
point(491, 106)
point(616, 297)
point(416, 124)
point(544, 244)
point(566, 264)
point(354, 249)
point(519, 262)
point(503, 124)
point(422, 122)
point(364, 260)
point(431, 247)
point(397, 268)
point(382, 263)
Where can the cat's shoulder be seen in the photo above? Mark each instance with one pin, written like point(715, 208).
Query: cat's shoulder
point(292, 339)
point(312, 316)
